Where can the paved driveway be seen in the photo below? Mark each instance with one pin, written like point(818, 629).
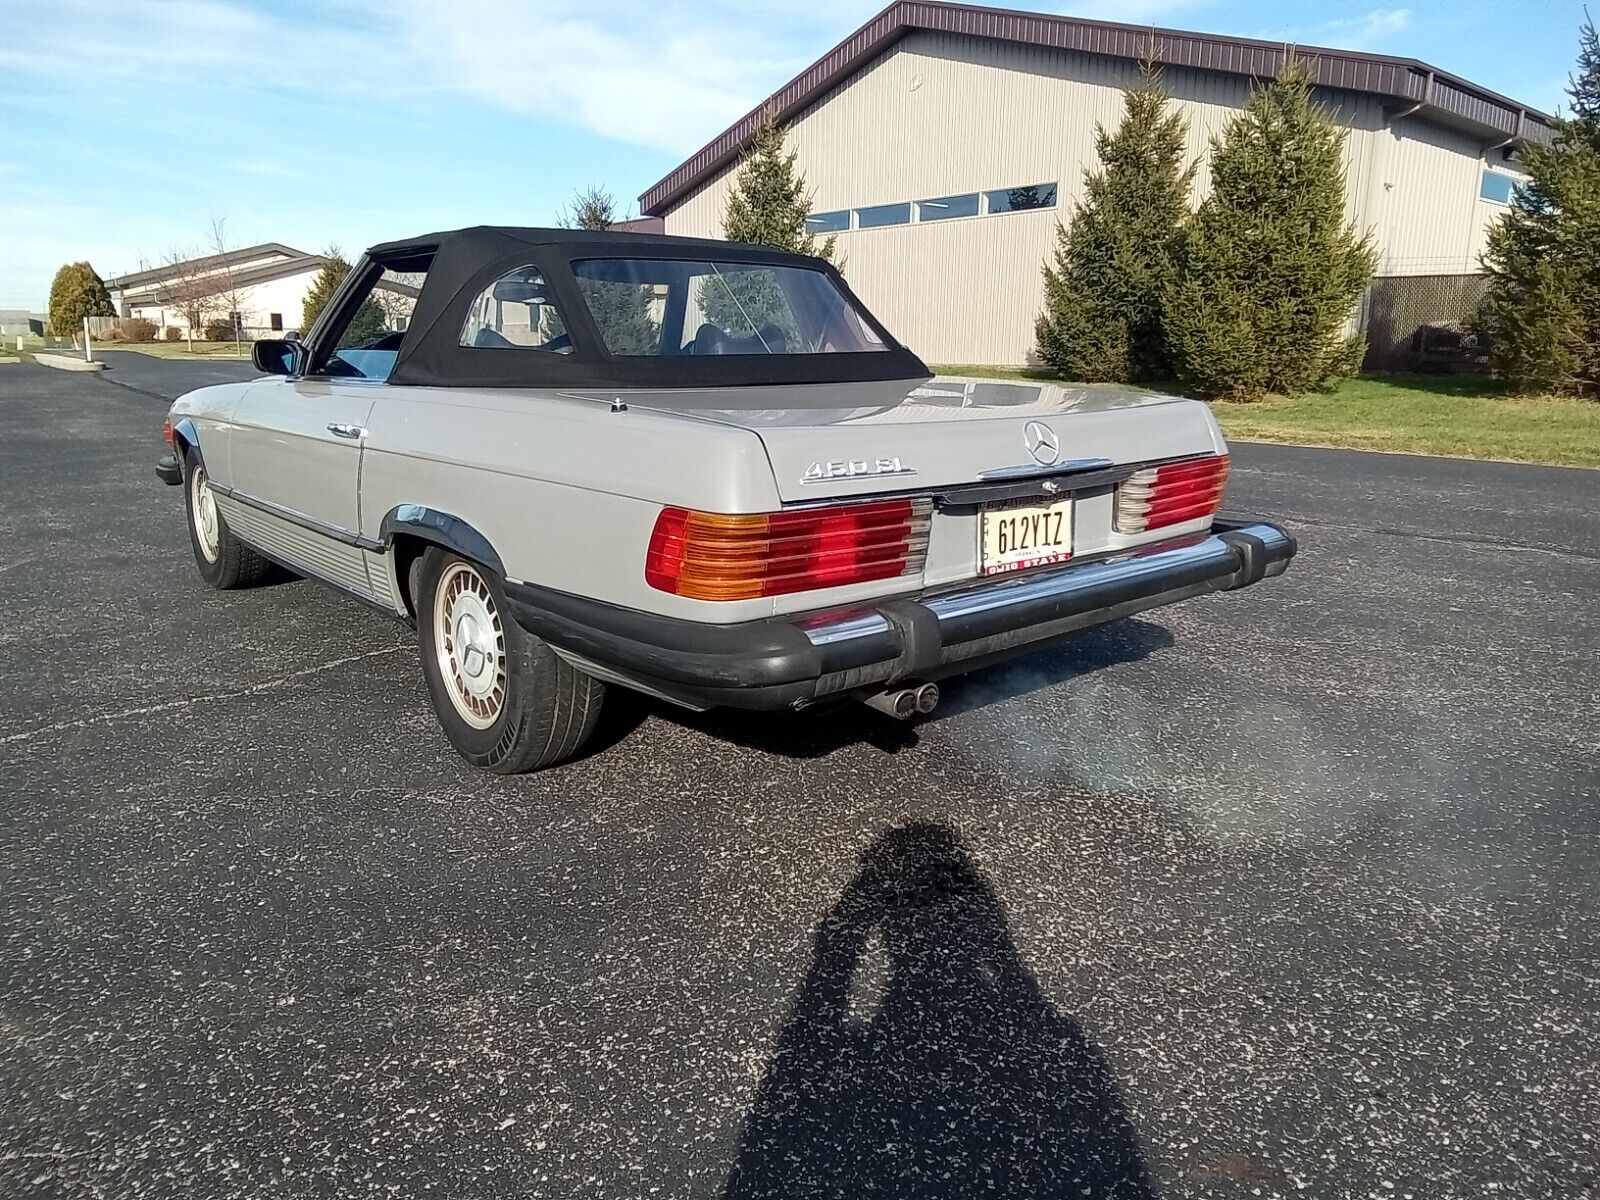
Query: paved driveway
point(1289, 892)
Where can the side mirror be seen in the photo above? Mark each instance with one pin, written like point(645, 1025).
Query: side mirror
point(279, 356)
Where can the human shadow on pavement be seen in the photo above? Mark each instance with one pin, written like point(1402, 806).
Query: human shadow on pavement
point(817, 733)
point(921, 1059)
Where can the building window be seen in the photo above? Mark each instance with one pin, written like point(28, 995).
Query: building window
point(943, 208)
point(883, 214)
point(1497, 188)
point(1016, 199)
point(275, 320)
point(828, 222)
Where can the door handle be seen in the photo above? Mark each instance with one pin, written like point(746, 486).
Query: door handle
point(340, 429)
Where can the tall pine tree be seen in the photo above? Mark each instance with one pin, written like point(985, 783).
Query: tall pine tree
point(1272, 267)
point(368, 322)
point(1118, 257)
point(769, 201)
point(1541, 318)
point(767, 207)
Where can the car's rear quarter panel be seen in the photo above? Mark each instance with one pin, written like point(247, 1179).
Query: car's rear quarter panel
point(565, 490)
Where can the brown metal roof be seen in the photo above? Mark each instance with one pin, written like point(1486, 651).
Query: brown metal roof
point(207, 262)
point(1440, 95)
point(150, 292)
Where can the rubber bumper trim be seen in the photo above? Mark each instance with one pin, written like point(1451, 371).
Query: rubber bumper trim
point(786, 662)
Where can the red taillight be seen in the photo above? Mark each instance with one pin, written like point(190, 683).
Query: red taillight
point(716, 556)
point(167, 435)
point(1171, 494)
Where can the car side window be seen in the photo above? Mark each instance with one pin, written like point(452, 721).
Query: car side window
point(516, 312)
point(369, 343)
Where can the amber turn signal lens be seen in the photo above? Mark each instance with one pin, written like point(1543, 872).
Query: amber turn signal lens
point(719, 556)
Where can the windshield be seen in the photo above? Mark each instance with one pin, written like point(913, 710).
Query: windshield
point(673, 307)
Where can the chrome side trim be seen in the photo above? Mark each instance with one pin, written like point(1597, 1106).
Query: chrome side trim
point(334, 532)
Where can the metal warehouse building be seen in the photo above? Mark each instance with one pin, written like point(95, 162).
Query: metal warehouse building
point(944, 141)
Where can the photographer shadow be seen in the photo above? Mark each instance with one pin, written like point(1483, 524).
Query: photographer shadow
point(921, 1059)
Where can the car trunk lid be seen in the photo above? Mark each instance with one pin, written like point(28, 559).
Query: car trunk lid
point(874, 438)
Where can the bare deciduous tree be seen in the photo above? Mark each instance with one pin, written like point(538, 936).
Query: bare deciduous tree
point(186, 288)
point(229, 293)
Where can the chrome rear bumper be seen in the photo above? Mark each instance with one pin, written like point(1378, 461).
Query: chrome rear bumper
point(789, 662)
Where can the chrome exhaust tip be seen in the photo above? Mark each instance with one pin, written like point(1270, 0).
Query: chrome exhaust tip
point(927, 698)
point(901, 704)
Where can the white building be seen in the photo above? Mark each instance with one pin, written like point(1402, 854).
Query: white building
point(943, 142)
point(264, 285)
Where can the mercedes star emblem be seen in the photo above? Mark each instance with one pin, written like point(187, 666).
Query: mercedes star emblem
point(1041, 442)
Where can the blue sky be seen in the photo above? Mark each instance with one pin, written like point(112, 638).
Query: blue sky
point(127, 126)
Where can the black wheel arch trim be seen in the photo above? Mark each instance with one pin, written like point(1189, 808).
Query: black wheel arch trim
point(441, 529)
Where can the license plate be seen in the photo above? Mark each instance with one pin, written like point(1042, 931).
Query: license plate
point(1020, 534)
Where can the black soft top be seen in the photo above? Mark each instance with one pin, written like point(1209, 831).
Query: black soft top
point(460, 263)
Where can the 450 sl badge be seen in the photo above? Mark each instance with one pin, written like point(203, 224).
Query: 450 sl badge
point(826, 472)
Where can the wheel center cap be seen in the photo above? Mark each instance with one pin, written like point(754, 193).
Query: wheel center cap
point(474, 659)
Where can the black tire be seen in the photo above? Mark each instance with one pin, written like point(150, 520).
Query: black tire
point(233, 564)
point(538, 712)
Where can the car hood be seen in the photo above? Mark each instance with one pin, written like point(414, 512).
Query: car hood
point(906, 435)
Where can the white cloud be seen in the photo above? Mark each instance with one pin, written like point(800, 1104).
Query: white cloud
point(1369, 31)
point(669, 75)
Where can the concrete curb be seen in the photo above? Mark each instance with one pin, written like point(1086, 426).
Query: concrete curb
point(7, 358)
point(62, 362)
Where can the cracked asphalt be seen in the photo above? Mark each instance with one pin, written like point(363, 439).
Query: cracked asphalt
point(1290, 892)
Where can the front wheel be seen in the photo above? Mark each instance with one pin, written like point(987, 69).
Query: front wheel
point(504, 698)
point(224, 561)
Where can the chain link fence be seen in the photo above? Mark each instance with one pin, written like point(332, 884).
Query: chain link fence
point(1423, 323)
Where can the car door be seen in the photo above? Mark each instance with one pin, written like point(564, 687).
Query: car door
point(294, 465)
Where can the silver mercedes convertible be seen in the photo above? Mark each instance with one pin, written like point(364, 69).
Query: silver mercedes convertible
point(700, 470)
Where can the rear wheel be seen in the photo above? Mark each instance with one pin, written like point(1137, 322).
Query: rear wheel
point(224, 561)
point(505, 700)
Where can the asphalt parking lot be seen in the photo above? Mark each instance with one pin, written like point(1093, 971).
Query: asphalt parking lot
point(1290, 892)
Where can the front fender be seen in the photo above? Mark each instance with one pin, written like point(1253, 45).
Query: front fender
point(186, 432)
point(441, 529)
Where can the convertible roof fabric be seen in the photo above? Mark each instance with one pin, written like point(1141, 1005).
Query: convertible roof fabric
point(465, 261)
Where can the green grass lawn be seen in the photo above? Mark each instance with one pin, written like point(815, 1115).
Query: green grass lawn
point(1465, 416)
point(181, 349)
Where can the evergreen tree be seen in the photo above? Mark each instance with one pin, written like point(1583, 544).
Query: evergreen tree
point(769, 202)
point(767, 207)
point(75, 293)
point(1272, 269)
point(593, 208)
point(1117, 259)
point(367, 324)
point(1540, 320)
point(623, 311)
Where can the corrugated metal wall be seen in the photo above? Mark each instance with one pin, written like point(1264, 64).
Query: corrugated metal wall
point(945, 113)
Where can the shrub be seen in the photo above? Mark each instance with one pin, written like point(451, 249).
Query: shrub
point(219, 331)
point(172, 333)
point(137, 329)
point(1116, 260)
point(1272, 268)
point(111, 333)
